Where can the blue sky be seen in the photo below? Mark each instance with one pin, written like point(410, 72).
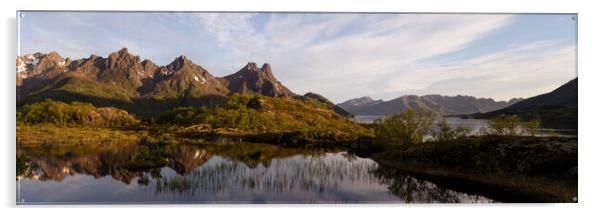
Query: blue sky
point(340, 56)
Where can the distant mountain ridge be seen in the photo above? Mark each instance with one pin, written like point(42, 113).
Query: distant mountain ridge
point(445, 105)
point(556, 109)
point(126, 81)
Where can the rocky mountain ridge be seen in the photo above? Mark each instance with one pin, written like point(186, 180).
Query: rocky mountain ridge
point(445, 105)
point(126, 81)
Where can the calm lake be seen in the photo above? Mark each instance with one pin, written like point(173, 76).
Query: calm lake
point(474, 125)
point(215, 173)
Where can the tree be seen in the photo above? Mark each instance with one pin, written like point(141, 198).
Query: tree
point(405, 128)
point(531, 127)
point(447, 133)
point(505, 125)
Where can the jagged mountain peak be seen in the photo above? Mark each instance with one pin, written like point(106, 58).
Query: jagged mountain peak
point(123, 51)
point(251, 66)
point(182, 62)
point(250, 78)
point(123, 55)
point(182, 58)
point(149, 62)
point(266, 67)
point(93, 56)
point(125, 77)
point(149, 67)
point(54, 56)
point(39, 63)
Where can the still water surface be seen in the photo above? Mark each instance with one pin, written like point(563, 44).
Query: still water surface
point(240, 173)
point(474, 125)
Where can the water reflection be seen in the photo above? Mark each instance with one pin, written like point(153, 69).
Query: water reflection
point(413, 190)
point(123, 162)
point(241, 172)
point(321, 174)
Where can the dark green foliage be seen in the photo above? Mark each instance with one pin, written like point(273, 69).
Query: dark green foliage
point(512, 126)
point(73, 114)
point(255, 103)
point(405, 128)
point(505, 126)
point(541, 155)
point(22, 165)
point(257, 113)
point(147, 156)
point(530, 127)
point(446, 133)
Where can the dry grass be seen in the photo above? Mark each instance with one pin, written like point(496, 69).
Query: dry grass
point(50, 134)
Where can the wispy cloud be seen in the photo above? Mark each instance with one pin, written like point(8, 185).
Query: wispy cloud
point(338, 55)
point(519, 70)
point(309, 51)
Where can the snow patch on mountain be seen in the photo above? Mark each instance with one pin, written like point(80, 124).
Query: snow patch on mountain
point(202, 79)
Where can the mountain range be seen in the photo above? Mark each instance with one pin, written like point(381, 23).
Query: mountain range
point(556, 109)
point(445, 105)
point(126, 81)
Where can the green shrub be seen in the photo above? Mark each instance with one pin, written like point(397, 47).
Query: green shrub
point(446, 133)
point(512, 126)
point(505, 126)
point(405, 128)
point(531, 127)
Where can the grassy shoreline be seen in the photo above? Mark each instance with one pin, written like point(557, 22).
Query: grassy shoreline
point(532, 169)
point(510, 169)
point(506, 187)
point(50, 134)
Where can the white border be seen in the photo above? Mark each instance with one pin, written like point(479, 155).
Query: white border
point(589, 103)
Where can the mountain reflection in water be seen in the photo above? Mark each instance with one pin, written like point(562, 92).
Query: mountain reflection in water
point(210, 173)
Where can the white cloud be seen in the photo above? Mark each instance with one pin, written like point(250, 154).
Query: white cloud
point(519, 70)
point(80, 34)
point(338, 55)
point(328, 53)
point(234, 31)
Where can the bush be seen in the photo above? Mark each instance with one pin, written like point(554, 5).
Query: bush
point(505, 126)
point(512, 126)
point(405, 128)
point(531, 127)
point(446, 133)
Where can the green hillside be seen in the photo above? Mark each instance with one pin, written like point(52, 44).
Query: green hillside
point(309, 120)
